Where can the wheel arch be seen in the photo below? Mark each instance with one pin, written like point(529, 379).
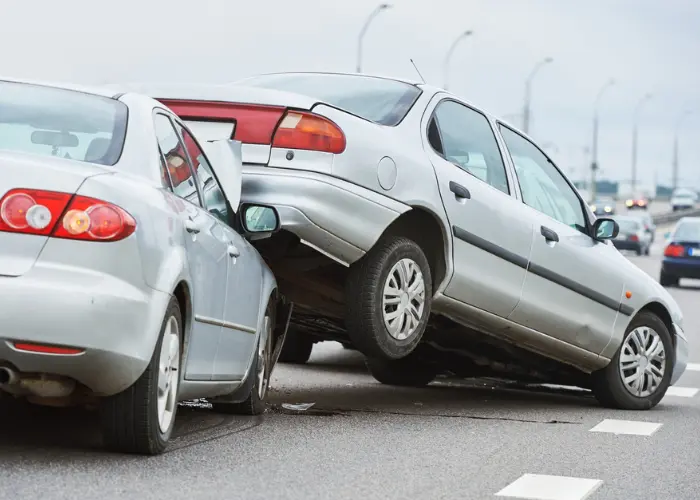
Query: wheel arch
point(660, 310)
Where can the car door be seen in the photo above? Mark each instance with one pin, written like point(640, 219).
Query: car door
point(491, 236)
point(237, 340)
point(573, 287)
point(207, 256)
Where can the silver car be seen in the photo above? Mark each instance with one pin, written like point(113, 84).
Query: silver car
point(436, 238)
point(124, 271)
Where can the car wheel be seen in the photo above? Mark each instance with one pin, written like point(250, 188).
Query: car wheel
point(640, 372)
point(261, 369)
point(647, 250)
point(141, 418)
point(406, 372)
point(389, 295)
point(297, 347)
point(668, 280)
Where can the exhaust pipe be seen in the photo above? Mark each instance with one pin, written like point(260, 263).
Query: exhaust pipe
point(8, 376)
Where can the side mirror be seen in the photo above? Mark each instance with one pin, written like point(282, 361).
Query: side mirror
point(667, 235)
point(259, 221)
point(605, 229)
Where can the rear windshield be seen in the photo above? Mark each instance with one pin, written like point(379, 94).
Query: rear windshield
point(375, 99)
point(628, 226)
point(687, 231)
point(57, 122)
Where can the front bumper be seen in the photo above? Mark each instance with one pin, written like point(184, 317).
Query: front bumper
point(341, 219)
point(116, 323)
point(681, 354)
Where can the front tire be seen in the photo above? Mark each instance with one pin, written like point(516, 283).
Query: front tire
point(640, 372)
point(405, 372)
point(141, 418)
point(389, 295)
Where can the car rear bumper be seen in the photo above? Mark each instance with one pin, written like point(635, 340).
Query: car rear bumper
point(627, 245)
point(115, 323)
point(681, 354)
point(681, 267)
point(336, 217)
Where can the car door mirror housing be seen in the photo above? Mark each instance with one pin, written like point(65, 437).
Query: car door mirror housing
point(605, 229)
point(259, 221)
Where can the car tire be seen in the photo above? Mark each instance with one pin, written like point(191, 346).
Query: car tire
point(405, 372)
point(609, 387)
point(638, 250)
point(297, 347)
point(647, 250)
point(135, 421)
point(375, 279)
point(668, 280)
point(261, 369)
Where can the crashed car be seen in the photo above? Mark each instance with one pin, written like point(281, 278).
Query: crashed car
point(435, 238)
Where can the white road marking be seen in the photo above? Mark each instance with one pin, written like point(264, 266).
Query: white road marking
point(630, 427)
point(682, 392)
point(693, 367)
point(542, 487)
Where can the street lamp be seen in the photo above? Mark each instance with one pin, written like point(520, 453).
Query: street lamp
point(676, 130)
point(375, 13)
point(446, 64)
point(594, 148)
point(528, 85)
point(635, 126)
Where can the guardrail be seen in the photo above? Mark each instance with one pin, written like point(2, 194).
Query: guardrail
point(674, 216)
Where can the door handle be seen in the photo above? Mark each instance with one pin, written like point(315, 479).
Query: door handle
point(548, 234)
point(191, 227)
point(460, 191)
point(233, 251)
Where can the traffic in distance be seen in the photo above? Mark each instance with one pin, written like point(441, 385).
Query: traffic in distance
point(293, 208)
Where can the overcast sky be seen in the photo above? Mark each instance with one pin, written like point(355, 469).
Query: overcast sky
point(646, 45)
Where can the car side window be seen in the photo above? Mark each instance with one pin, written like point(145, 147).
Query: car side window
point(183, 183)
point(212, 194)
point(543, 187)
point(164, 175)
point(464, 137)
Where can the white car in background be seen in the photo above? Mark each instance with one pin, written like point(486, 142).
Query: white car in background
point(683, 199)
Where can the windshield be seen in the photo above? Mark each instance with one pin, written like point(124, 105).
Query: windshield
point(378, 100)
point(687, 231)
point(64, 123)
point(628, 226)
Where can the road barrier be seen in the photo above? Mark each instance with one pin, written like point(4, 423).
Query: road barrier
point(674, 216)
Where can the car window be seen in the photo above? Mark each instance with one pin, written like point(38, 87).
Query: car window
point(628, 225)
point(464, 137)
point(687, 231)
point(64, 123)
point(543, 187)
point(212, 194)
point(183, 182)
point(164, 175)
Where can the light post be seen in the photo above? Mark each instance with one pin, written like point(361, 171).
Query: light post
point(369, 20)
point(676, 130)
point(594, 148)
point(446, 64)
point(528, 86)
point(635, 126)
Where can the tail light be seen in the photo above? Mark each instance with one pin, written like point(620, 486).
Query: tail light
point(63, 215)
point(300, 130)
point(674, 250)
point(634, 237)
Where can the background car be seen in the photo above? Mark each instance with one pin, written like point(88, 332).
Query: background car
point(124, 271)
point(435, 238)
point(682, 252)
point(638, 201)
point(602, 207)
point(632, 235)
point(683, 199)
point(647, 222)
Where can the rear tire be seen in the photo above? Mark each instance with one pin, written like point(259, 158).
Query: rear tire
point(648, 331)
point(647, 250)
point(297, 347)
point(405, 372)
point(668, 280)
point(390, 287)
point(135, 421)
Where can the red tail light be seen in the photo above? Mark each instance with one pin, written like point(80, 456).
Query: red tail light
point(634, 237)
point(47, 349)
point(300, 130)
point(674, 250)
point(62, 215)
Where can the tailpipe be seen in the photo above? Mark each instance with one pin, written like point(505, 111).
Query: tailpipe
point(8, 376)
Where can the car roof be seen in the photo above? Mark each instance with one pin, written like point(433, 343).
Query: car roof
point(98, 90)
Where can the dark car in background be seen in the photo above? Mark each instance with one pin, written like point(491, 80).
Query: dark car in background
point(682, 252)
point(603, 207)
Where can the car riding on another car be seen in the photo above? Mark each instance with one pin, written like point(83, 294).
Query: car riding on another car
point(125, 277)
point(632, 235)
point(682, 252)
point(437, 239)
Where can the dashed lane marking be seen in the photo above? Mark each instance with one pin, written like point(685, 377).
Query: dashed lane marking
point(629, 427)
point(542, 487)
point(682, 392)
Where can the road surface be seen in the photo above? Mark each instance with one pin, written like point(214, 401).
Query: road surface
point(452, 440)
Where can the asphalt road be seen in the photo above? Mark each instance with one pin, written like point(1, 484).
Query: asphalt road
point(451, 440)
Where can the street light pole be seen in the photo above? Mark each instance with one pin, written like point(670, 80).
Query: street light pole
point(635, 126)
point(594, 147)
point(528, 86)
point(446, 64)
point(369, 20)
point(679, 122)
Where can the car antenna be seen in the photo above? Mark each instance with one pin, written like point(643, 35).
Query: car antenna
point(417, 71)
